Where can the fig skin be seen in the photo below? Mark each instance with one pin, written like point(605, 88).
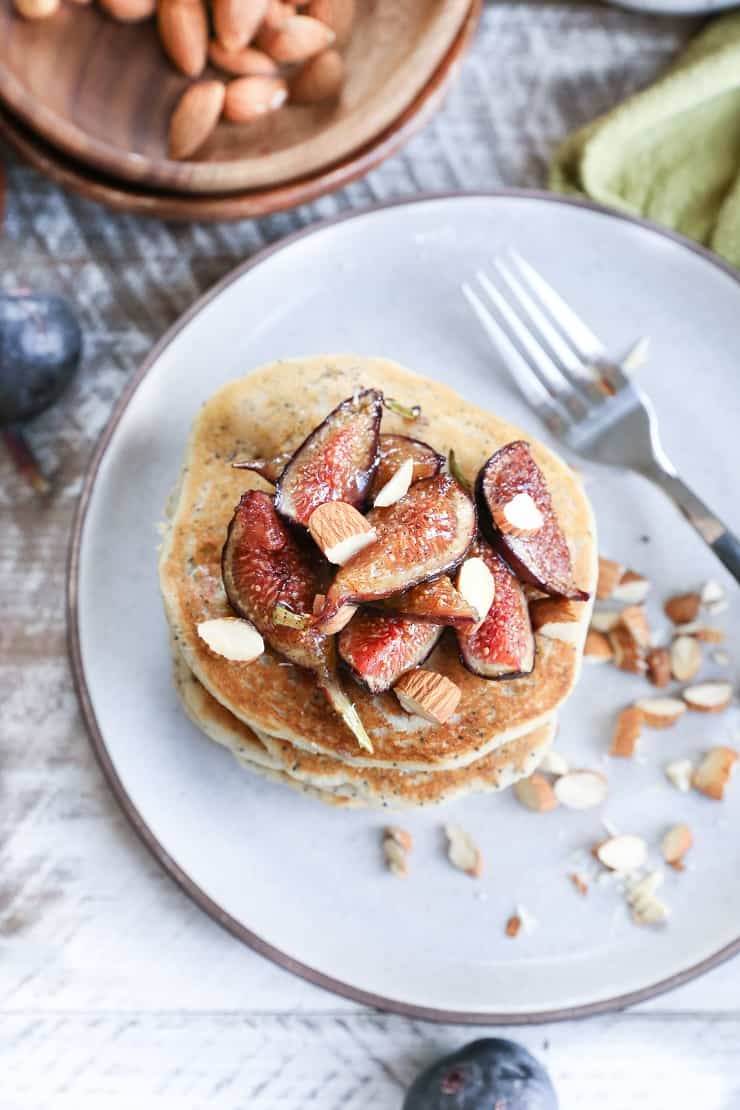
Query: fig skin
point(373, 640)
point(541, 559)
point(488, 1074)
point(336, 462)
point(40, 346)
point(509, 611)
point(436, 602)
point(394, 449)
point(269, 469)
point(425, 534)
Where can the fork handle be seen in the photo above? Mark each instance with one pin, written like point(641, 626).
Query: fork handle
point(716, 534)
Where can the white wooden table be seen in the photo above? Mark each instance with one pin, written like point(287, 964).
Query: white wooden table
point(115, 991)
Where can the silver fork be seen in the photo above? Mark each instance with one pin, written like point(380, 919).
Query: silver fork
point(583, 395)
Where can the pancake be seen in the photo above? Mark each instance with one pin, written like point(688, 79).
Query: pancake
point(274, 408)
point(339, 783)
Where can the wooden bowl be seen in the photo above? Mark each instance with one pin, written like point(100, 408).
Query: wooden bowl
point(103, 92)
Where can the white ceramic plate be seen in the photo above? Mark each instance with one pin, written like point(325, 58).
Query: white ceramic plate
point(674, 7)
point(304, 883)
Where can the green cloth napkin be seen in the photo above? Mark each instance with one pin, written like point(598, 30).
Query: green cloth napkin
point(672, 152)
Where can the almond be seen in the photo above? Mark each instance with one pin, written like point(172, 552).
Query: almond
point(603, 620)
point(321, 78)
point(610, 575)
point(675, 844)
point(623, 853)
point(246, 62)
point(646, 908)
point(297, 40)
point(463, 852)
point(556, 619)
point(633, 588)
point(341, 618)
point(628, 655)
point(513, 925)
point(401, 837)
point(627, 732)
point(660, 712)
point(714, 772)
point(535, 793)
point(339, 15)
point(682, 608)
point(708, 697)
point(129, 11)
point(634, 619)
point(195, 117)
point(519, 516)
point(248, 99)
point(713, 597)
point(233, 638)
point(337, 528)
point(581, 789)
point(236, 21)
point(703, 632)
point(276, 16)
point(395, 857)
point(428, 694)
point(183, 31)
point(685, 658)
point(36, 9)
point(477, 585)
point(597, 647)
point(398, 485)
point(679, 774)
point(553, 763)
point(658, 661)
point(579, 882)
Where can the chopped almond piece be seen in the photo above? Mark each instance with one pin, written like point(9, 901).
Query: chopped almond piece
point(232, 638)
point(660, 712)
point(395, 857)
point(646, 908)
point(633, 588)
point(535, 793)
point(396, 487)
point(463, 852)
point(628, 655)
point(339, 530)
point(477, 585)
point(709, 635)
point(634, 619)
point(553, 763)
point(658, 662)
point(708, 697)
point(714, 772)
point(401, 837)
point(519, 516)
point(581, 789)
point(341, 618)
point(626, 733)
point(610, 575)
point(556, 618)
point(682, 608)
point(685, 658)
point(579, 882)
point(713, 597)
point(513, 925)
point(428, 694)
point(623, 853)
point(597, 648)
point(679, 773)
point(675, 844)
point(603, 620)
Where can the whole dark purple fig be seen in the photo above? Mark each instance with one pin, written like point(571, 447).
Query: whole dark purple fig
point(489, 1074)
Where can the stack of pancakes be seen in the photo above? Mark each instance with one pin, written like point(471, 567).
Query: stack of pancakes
point(271, 714)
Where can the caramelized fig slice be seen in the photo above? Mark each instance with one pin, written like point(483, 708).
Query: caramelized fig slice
point(394, 450)
point(436, 602)
point(503, 645)
point(336, 463)
point(378, 649)
point(425, 534)
point(518, 517)
point(269, 469)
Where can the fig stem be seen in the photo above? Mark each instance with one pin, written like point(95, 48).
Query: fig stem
point(282, 615)
point(346, 710)
point(407, 413)
point(24, 459)
point(457, 473)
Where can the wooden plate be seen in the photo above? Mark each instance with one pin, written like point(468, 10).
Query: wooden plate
point(103, 92)
point(261, 202)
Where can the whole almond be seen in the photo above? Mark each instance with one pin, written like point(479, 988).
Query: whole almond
point(336, 527)
point(183, 30)
point(276, 16)
point(236, 22)
point(683, 608)
point(297, 40)
point(129, 11)
point(249, 98)
point(659, 666)
point(337, 14)
point(36, 9)
point(195, 117)
point(246, 62)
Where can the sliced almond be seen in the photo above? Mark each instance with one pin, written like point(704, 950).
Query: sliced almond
point(556, 619)
point(712, 595)
point(396, 487)
point(553, 763)
point(581, 789)
point(685, 658)
point(632, 588)
point(513, 925)
point(195, 117)
point(623, 853)
point(675, 844)
point(579, 882)
point(535, 793)
point(235, 639)
point(660, 712)
point(627, 733)
point(708, 697)
point(463, 852)
point(597, 648)
point(682, 607)
point(519, 516)
point(250, 98)
point(679, 773)
point(298, 39)
point(477, 585)
point(658, 662)
point(634, 619)
point(428, 694)
point(603, 620)
point(714, 772)
point(395, 857)
point(339, 530)
point(610, 575)
point(628, 655)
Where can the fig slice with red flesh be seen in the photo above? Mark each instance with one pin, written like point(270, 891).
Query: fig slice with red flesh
point(263, 566)
point(503, 645)
point(425, 534)
point(436, 602)
point(540, 556)
point(394, 450)
point(337, 461)
point(269, 469)
point(378, 649)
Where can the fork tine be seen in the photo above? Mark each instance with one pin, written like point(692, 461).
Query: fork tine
point(524, 377)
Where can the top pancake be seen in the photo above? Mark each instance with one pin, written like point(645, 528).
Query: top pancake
point(275, 408)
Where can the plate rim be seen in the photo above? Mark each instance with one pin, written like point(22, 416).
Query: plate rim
point(125, 802)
